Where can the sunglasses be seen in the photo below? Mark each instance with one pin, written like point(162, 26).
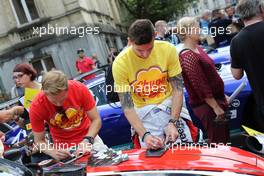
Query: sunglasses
point(18, 76)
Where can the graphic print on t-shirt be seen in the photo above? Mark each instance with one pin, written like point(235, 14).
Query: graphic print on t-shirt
point(150, 83)
point(68, 119)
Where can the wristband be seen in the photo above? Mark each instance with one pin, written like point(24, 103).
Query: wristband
point(173, 121)
point(144, 135)
point(90, 139)
point(15, 116)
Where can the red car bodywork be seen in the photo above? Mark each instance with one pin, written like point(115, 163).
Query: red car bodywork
point(219, 159)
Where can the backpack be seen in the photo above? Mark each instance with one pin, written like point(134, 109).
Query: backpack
point(111, 95)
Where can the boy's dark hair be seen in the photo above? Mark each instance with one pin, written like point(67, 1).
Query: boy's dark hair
point(141, 32)
point(216, 13)
point(227, 7)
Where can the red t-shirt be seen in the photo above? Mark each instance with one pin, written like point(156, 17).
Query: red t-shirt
point(84, 66)
point(67, 130)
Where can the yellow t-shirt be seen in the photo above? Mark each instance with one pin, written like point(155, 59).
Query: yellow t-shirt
point(147, 79)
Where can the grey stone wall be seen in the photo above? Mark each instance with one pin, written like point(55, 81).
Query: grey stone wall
point(63, 53)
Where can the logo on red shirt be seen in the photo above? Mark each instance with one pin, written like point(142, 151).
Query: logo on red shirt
point(68, 119)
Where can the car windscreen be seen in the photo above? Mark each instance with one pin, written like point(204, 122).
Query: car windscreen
point(98, 91)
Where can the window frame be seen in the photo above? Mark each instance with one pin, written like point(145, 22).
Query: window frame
point(25, 10)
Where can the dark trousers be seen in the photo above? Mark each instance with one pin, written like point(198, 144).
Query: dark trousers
point(216, 132)
point(38, 157)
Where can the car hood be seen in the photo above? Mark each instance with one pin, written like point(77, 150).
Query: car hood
point(230, 83)
point(223, 158)
point(221, 55)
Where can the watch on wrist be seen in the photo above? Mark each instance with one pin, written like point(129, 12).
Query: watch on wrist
point(90, 139)
point(145, 135)
point(173, 121)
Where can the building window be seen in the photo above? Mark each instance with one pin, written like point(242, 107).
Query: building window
point(99, 18)
point(107, 43)
point(43, 64)
point(206, 4)
point(25, 11)
point(216, 3)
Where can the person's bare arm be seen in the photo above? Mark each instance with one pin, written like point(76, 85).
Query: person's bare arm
point(214, 105)
point(39, 140)
point(237, 73)
point(177, 101)
point(10, 114)
point(130, 113)
point(95, 126)
point(177, 95)
point(94, 66)
point(6, 115)
point(48, 149)
point(96, 123)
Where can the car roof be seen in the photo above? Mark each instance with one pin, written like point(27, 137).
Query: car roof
point(99, 78)
point(95, 81)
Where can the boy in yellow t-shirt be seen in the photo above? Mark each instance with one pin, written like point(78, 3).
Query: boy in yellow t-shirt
point(149, 84)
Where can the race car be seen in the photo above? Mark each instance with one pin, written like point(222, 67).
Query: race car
point(183, 160)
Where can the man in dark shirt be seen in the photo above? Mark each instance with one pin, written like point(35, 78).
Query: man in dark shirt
point(248, 55)
point(230, 11)
point(219, 28)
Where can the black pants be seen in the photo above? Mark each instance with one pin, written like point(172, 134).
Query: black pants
point(253, 117)
point(257, 121)
point(38, 157)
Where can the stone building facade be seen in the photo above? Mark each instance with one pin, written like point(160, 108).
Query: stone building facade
point(47, 33)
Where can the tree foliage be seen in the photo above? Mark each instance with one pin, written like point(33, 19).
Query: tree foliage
point(155, 9)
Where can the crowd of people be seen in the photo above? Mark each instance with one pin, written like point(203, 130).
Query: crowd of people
point(149, 76)
point(151, 54)
point(218, 27)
